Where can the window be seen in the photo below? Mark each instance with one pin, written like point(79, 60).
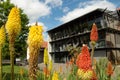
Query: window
point(117, 37)
point(110, 40)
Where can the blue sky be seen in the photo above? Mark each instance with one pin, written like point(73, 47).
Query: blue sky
point(52, 13)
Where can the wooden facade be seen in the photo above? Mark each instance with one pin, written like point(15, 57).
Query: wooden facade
point(77, 32)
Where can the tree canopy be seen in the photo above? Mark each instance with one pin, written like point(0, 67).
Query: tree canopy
point(20, 43)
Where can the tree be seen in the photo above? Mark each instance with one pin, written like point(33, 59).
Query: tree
point(20, 42)
point(4, 11)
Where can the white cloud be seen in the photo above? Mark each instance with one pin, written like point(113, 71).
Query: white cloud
point(54, 3)
point(87, 7)
point(66, 9)
point(36, 9)
point(33, 8)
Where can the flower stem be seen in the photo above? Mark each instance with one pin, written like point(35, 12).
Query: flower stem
point(109, 77)
point(0, 62)
point(92, 52)
point(11, 48)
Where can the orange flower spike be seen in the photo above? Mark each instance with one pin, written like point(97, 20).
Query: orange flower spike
point(46, 71)
point(94, 76)
point(71, 61)
point(83, 60)
point(109, 69)
point(94, 33)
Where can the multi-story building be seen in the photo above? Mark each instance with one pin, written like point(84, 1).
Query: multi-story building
point(77, 32)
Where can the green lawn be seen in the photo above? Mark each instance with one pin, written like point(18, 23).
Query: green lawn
point(17, 69)
point(6, 69)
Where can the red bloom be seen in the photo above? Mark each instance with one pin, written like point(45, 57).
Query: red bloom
point(109, 69)
point(83, 60)
point(94, 33)
point(94, 77)
point(71, 61)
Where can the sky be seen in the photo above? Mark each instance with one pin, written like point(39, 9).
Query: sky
point(52, 13)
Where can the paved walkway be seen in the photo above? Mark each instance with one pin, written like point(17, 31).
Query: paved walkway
point(62, 66)
point(56, 67)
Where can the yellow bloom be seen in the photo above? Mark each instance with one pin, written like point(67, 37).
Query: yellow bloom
point(35, 37)
point(50, 65)
point(60, 69)
point(80, 73)
point(55, 76)
point(87, 75)
point(13, 24)
point(21, 72)
point(46, 57)
point(2, 35)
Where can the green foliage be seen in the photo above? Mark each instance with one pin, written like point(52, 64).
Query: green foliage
point(4, 11)
point(75, 68)
point(40, 75)
point(101, 66)
point(5, 50)
point(118, 77)
point(20, 43)
point(72, 75)
point(7, 73)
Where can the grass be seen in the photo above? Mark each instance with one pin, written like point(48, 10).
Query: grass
point(7, 69)
point(17, 72)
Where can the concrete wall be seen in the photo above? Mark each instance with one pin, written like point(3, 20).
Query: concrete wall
point(99, 54)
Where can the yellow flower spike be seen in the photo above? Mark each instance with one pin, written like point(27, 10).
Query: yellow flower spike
point(2, 35)
point(80, 73)
point(13, 24)
point(60, 69)
point(87, 75)
point(21, 72)
point(55, 76)
point(46, 57)
point(34, 41)
point(2, 41)
point(35, 37)
point(50, 65)
point(13, 28)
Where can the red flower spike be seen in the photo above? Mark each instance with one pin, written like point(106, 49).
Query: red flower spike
point(94, 77)
point(94, 33)
point(109, 69)
point(83, 60)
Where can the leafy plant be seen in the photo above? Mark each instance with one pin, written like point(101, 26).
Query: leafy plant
point(101, 66)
